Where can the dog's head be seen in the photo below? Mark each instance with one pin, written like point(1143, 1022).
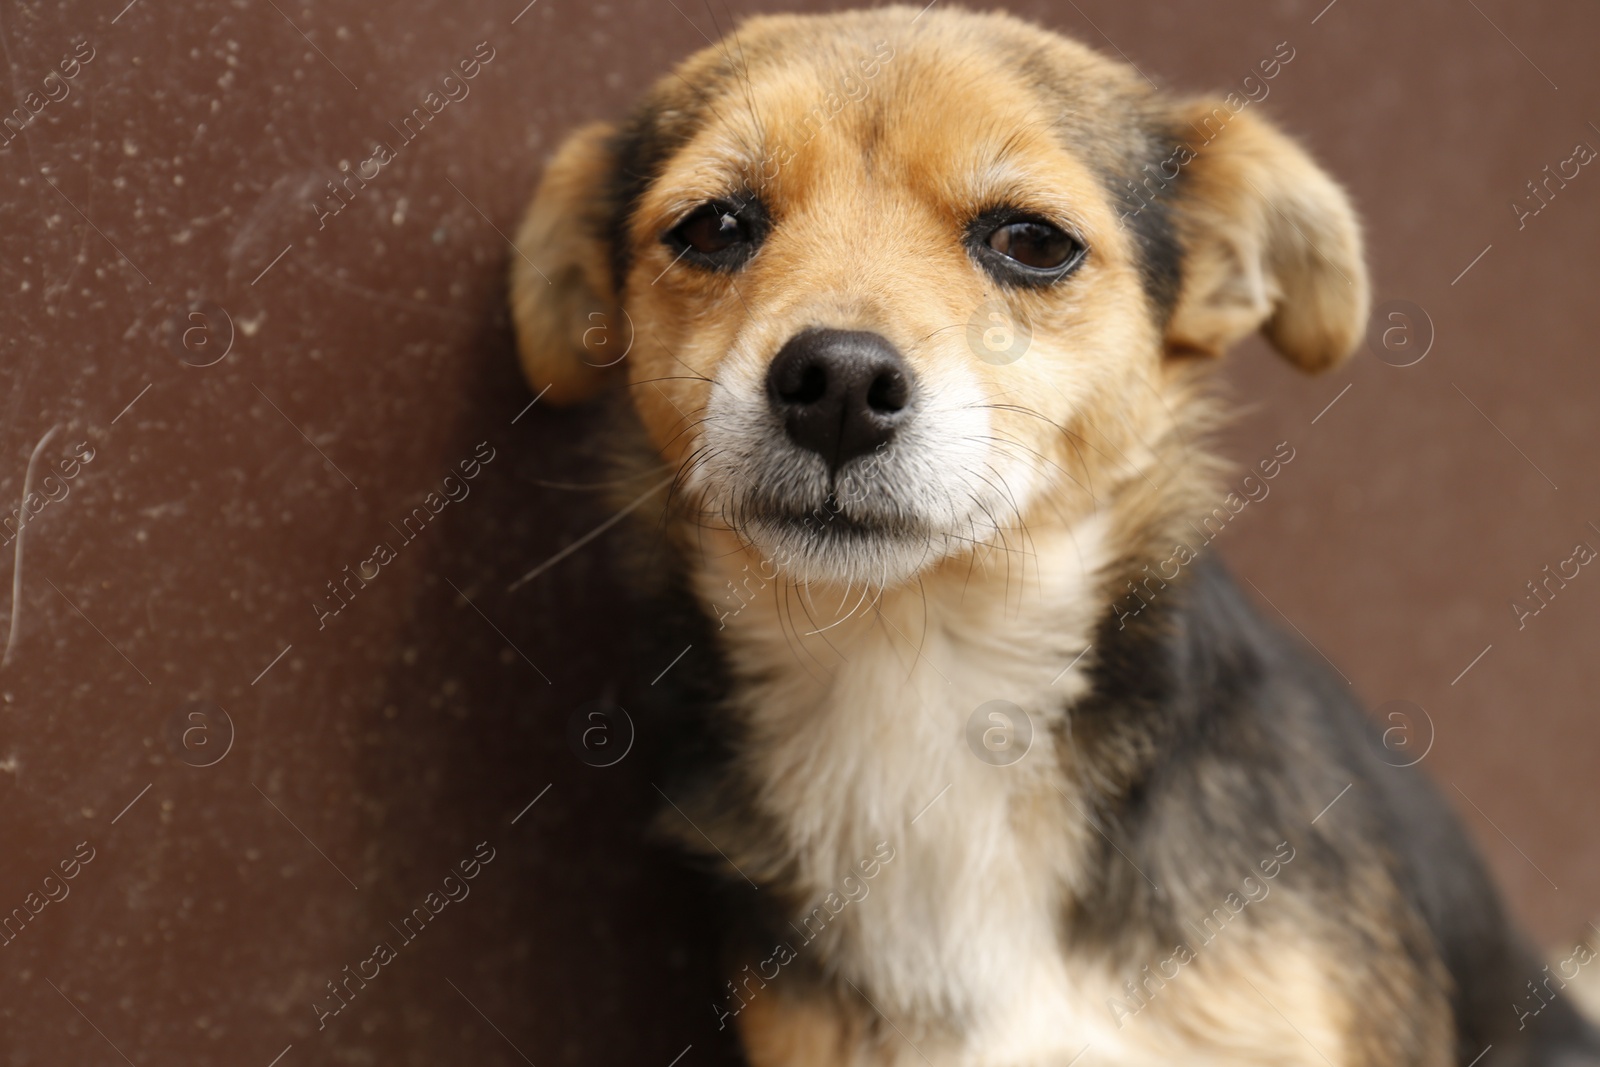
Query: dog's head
point(892, 285)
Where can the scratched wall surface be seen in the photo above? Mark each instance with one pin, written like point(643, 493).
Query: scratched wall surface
point(221, 395)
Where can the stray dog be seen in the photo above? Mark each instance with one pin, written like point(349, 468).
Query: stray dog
point(915, 308)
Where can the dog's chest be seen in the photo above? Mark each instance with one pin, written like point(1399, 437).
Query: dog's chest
point(897, 733)
point(933, 732)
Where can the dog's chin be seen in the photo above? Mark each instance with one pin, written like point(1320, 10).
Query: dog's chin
point(821, 548)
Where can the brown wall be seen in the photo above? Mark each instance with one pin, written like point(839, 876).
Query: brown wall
point(370, 754)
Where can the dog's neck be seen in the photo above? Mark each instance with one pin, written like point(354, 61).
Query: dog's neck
point(1008, 613)
point(868, 717)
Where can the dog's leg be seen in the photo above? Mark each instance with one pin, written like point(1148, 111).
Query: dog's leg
point(786, 1031)
point(823, 1031)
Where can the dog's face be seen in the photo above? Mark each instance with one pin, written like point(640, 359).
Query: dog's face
point(899, 288)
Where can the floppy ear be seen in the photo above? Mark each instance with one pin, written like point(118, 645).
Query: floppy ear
point(569, 329)
point(1269, 242)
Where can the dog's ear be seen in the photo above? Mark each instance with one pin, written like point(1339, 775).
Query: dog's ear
point(1269, 242)
point(569, 328)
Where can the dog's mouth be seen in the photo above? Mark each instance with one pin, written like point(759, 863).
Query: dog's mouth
point(826, 520)
point(833, 538)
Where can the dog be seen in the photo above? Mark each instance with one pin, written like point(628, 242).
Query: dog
point(915, 309)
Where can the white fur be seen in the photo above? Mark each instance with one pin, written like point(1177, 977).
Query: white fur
point(963, 922)
point(943, 479)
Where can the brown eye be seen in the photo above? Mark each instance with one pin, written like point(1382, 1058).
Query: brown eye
point(1021, 249)
point(1036, 245)
point(710, 229)
point(719, 235)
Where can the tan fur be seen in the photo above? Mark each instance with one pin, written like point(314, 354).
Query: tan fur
point(804, 1033)
point(568, 325)
point(855, 684)
point(1585, 985)
point(1272, 243)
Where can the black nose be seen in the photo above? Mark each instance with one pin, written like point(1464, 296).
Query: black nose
point(840, 393)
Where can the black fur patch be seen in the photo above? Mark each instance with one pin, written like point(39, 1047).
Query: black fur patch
point(658, 128)
point(1209, 735)
point(641, 150)
point(1145, 200)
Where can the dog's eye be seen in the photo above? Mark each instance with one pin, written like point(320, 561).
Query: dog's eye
point(1037, 245)
point(719, 235)
point(1028, 251)
point(710, 230)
